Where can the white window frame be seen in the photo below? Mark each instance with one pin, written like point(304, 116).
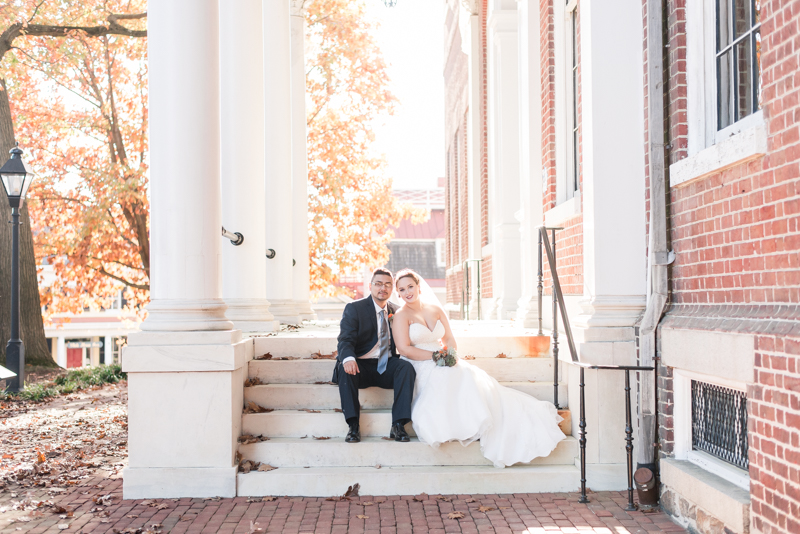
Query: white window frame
point(565, 193)
point(682, 421)
point(711, 150)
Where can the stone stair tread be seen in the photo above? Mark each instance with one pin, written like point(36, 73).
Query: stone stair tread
point(372, 451)
point(409, 480)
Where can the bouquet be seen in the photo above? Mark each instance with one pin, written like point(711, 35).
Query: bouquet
point(445, 357)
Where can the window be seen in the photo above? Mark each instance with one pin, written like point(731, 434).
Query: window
point(573, 168)
point(719, 422)
point(738, 60)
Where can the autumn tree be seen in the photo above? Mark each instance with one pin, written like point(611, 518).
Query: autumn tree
point(40, 43)
point(351, 205)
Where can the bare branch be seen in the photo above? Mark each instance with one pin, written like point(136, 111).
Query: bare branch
point(102, 270)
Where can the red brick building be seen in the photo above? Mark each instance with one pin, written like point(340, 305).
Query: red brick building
point(578, 114)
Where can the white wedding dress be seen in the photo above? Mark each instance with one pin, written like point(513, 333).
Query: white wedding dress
point(463, 403)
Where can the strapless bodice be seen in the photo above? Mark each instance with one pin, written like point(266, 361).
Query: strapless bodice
point(422, 338)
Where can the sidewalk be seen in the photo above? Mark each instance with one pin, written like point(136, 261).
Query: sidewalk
point(96, 506)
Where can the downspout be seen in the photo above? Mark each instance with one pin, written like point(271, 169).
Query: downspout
point(659, 257)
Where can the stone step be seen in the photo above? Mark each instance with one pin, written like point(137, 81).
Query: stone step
point(326, 396)
point(309, 371)
point(372, 451)
point(470, 343)
point(329, 423)
point(445, 480)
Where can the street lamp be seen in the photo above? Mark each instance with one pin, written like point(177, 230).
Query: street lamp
point(16, 179)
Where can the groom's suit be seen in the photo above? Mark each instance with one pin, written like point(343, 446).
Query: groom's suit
point(358, 336)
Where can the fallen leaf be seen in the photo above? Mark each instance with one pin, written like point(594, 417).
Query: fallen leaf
point(501, 355)
point(132, 516)
point(468, 357)
point(40, 458)
point(246, 466)
point(378, 466)
point(470, 500)
point(264, 468)
point(443, 498)
point(252, 407)
point(368, 503)
point(267, 499)
point(321, 437)
point(387, 438)
point(254, 381)
point(266, 356)
point(320, 356)
point(147, 502)
point(362, 516)
point(352, 491)
point(485, 508)
point(247, 439)
point(421, 497)
point(455, 515)
point(505, 507)
point(337, 410)
point(309, 410)
point(162, 507)
point(8, 457)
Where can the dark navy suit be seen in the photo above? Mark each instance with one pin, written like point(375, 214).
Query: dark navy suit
point(358, 334)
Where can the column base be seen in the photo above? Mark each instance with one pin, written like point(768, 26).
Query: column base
point(305, 310)
point(528, 312)
point(181, 315)
point(177, 482)
point(251, 315)
point(284, 311)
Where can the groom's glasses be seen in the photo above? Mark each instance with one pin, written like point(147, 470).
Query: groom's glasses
point(387, 285)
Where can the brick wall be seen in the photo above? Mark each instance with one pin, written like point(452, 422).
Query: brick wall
point(737, 242)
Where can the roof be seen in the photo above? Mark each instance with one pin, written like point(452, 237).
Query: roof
point(433, 228)
point(424, 198)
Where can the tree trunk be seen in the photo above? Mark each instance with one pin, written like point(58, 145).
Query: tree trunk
point(31, 324)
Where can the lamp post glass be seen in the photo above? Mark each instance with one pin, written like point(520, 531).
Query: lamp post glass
point(16, 178)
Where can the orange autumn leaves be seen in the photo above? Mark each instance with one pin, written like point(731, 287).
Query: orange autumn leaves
point(351, 205)
point(79, 105)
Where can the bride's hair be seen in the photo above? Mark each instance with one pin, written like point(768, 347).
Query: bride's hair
point(406, 273)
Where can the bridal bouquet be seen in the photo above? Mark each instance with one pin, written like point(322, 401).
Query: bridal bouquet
point(445, 357)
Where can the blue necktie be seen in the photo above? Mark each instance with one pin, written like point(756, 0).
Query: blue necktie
point(383, 343)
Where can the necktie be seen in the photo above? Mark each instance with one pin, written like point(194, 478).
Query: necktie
point(383, 343)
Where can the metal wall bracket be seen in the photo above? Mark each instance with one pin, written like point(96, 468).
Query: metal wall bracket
point(270, 253)
point(235, 237)
point(663, 258)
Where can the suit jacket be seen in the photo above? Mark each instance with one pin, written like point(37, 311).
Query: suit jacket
point(358, 331)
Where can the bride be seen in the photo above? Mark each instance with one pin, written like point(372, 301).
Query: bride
point(463, 403)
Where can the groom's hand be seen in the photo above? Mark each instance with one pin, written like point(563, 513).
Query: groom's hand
point(351, 367)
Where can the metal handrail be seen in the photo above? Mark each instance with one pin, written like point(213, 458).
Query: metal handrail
point(558, 301)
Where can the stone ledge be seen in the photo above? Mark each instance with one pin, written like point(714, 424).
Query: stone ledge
point(719, 498)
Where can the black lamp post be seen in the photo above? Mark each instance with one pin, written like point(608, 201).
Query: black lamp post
point(16, 179)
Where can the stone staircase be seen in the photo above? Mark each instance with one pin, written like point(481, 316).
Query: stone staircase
point(306, 429)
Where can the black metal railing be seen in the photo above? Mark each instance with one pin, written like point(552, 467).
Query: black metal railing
point(465, 288)
point(558, 303)
point(719, 422)
point(540, 287)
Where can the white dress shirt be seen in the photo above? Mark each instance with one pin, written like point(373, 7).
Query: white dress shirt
point(376, 351)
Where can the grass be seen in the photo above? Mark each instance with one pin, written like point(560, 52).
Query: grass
point(69, 382)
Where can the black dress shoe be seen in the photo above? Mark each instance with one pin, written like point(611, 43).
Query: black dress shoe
point(399, 433)
point(353, 435)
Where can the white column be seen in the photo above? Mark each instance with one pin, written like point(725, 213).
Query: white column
point(300, 272)
point(108, 350)
point(185, 288)
point(244, 286)
point(530, 131)
point(278, 158)
point(61, 352)
point(471, 45)
point(613, 203)
point(504, 158)
point(186, 368)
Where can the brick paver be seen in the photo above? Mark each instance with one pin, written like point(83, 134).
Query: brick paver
point(540, 513)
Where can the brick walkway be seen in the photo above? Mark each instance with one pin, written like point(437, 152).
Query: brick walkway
point(532, 513)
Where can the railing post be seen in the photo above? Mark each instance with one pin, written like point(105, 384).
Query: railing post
point(466, 285)
point(479, 289)
point(629, 439)
point(555, 329)
point(540, 286)
point(582, 438)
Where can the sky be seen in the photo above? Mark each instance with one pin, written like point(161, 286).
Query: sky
point(411, 37)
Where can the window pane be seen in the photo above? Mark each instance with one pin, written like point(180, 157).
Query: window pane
point(724, 90)
point(757, 40)
point(742, 16)
point(757, 11)
point(723, 24)
point(744, 78)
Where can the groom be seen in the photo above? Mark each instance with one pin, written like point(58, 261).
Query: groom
point(367, 358)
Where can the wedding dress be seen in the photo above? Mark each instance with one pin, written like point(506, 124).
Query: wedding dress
point(463, 403)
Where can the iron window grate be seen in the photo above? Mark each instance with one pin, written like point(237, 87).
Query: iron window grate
point(719, 422)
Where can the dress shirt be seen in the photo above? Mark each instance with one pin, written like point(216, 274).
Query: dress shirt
point(375, 352)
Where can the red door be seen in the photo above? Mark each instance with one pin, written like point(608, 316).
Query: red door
point(74, 358)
